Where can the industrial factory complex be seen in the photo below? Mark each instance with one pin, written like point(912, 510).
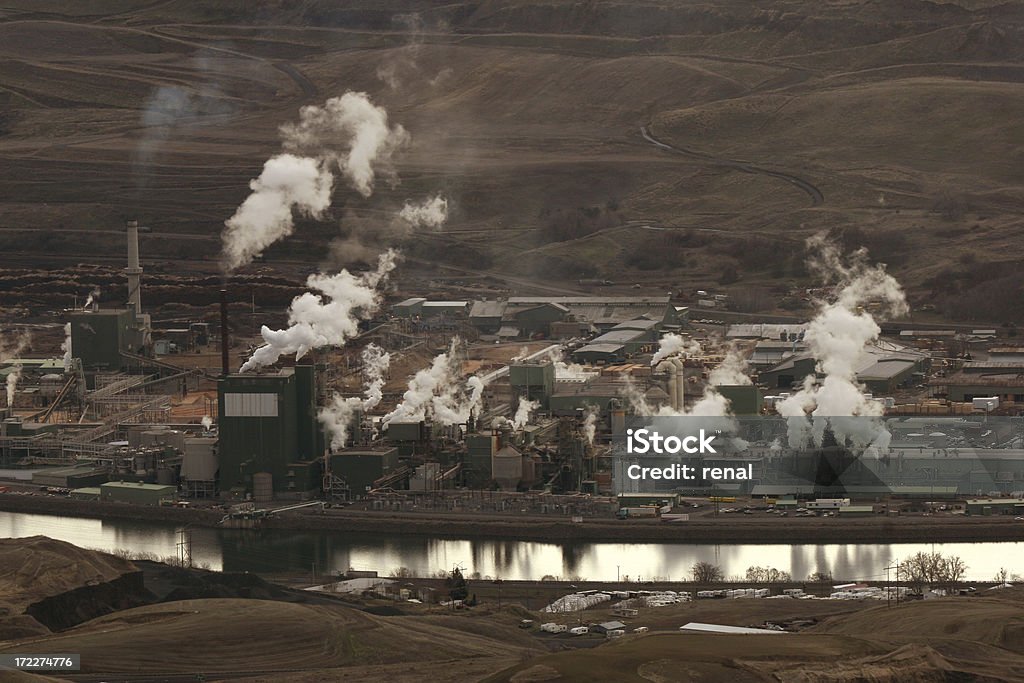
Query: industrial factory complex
point(522, 395)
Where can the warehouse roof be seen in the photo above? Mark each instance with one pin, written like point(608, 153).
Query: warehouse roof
point(135, 485)
point(640, 324)
point(763, 330)
point(981, 379)
point(590, 300)
point(445, 304)
point(1008, 365)
point(719, 628)
point(618, 336)
point(410, 302)
point(601, 348)
point(487, 309)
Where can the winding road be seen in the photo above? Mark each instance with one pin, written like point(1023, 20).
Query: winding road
point(817, 198)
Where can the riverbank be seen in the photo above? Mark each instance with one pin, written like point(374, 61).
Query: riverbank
point(723, 530)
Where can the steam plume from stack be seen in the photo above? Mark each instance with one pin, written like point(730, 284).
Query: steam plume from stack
point(207, 422)
point(94, 296)
point(66, 347)
point(590, 423)
point(731, 371)
point(312, 323)
point(837, 338)
point(12, 384)
point(437, 392)
point(287, 183)
point(12, 348)
point(348, 133)
point(564, 370)
point(337, 415)
point(523, 412)
point(672, 345)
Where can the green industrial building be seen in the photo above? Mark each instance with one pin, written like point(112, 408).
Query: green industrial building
point(410, 308)
point(99, 337)
point(743, 399)
point(480, 450)
point(268, 424)
point(137, 493)
point(70, 477)
point(361, 467)
point(882, 370)
point(534, 381)
point(995, 506)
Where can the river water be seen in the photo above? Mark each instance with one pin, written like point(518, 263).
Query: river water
point(328, 552)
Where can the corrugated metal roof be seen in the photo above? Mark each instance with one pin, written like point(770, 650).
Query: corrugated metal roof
point(618, 337)
point(639, 324)
point(600, 348)
point(590, 300)
point(487, 309)
point(698, 627)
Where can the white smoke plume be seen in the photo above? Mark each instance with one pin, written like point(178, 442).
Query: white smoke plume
point(590, 423)
point(12, 345)
point(207, 422)
point(837, 338)
point(288, 183)
point(337, 415)
point(314, 322)
point(731, 371)
point(66, 347)
point(523, 412)
point(348, 133)
point(567, 371)
point(12, 384)
point(672, 345)
point(437, 392)
point(431, 213)
point(93, 297)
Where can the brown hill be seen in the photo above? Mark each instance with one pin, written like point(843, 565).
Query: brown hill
point(896, 122)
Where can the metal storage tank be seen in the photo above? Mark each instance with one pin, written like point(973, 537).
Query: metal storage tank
point(507, 468)
point(263, 487)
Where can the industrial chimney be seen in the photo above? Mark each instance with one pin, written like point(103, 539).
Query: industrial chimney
point(224, 362)
point(134, 270)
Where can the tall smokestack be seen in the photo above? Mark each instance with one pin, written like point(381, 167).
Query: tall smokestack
point(134, 270)
point(225, 367)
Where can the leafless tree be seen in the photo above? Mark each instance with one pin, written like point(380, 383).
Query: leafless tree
point(705, 572)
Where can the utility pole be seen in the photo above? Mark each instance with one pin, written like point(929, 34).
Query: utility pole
point(185, 547)
point(888, 591)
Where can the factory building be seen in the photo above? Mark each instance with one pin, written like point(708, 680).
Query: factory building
point(359, 468)
point(994, 506)
point(883, 369)
point(525, 317)
point(137, 493)
point(70, 477)
point(533, 381)
point(744, 399)
point(767, 332)
point(418, 307)
point(268, 425)
point(100, 337)
point(1002, 379)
